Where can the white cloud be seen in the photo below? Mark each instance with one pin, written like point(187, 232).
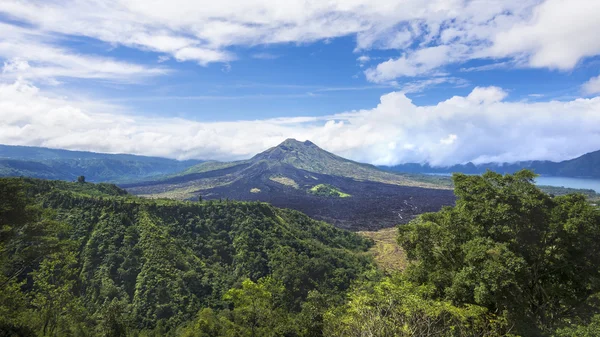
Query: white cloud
point(202, 55)
point(479, 127)
point(363, 59)
point(32, 55)
point(420, 85)
point(429, 33)
point(592, 86)
point(492, 66)
point(265, 56)
point(419, 63)
point(558, 34)
point(449, 140)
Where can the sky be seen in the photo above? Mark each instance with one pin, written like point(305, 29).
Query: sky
point(378, 81)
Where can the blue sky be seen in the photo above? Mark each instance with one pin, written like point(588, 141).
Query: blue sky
point(386, 82)
point(312, 79)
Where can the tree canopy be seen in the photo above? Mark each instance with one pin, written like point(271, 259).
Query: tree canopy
point(91, 260)
point(510, 248)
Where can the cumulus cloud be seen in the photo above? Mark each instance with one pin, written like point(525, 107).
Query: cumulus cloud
point(558, 34)
point(480, 127)
point(429, 33)
point(363, 59)
point(592, 86)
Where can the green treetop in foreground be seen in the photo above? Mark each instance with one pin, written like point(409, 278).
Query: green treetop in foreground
point(512, 249)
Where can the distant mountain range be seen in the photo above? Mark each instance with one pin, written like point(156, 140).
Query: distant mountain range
point(302, 176)
point(586, 166)
point(39, 162)
point(297, 175)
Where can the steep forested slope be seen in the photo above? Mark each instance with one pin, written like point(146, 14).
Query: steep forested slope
point(82, 258)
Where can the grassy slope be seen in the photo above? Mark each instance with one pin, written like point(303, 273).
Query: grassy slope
point(387, 253)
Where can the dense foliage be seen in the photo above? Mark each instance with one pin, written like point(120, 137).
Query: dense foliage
point(510, 248)
point(84, 259)
point(81, 259)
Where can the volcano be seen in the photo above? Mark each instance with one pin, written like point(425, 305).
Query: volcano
point(302, 176)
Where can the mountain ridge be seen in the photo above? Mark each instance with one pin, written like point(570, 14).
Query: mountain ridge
point(310, 157)
point(584, 166)
point(58, 164)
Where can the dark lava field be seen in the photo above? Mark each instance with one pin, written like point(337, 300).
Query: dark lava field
point(372, 205)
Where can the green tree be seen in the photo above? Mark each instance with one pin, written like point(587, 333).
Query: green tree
point(81, 179)
point(90, 260)
point(394, 307)
point(27, 236)
point(585, 330)
point(511, 248)
point(53, 297)
point(112, 321)
point(257, 310)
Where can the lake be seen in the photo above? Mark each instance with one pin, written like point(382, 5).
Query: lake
point(583, 183)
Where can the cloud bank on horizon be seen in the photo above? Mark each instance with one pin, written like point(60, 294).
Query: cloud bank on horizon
point(45, 43)
point(479, 127)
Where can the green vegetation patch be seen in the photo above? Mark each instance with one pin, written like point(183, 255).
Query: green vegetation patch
point(328, 191)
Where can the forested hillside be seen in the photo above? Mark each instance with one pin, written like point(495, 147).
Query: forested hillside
point(39, 162)
point(80, 259)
